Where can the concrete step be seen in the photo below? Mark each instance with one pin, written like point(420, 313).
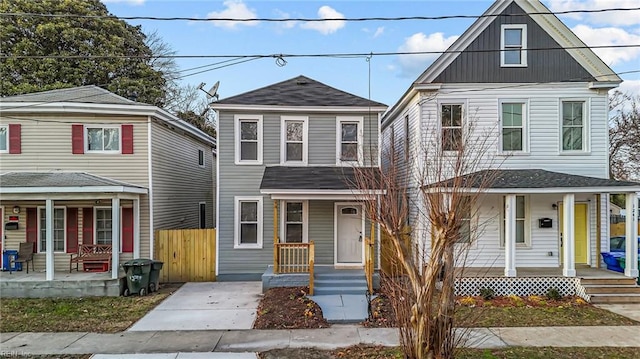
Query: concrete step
point(608, 281)
point(339, 290)
point(338, 283)
point(612, 289)
point(614, 298)
point(333, 276)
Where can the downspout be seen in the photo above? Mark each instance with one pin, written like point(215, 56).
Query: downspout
point(150, 170)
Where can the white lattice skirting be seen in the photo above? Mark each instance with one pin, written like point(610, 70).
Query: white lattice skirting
point(522, 286)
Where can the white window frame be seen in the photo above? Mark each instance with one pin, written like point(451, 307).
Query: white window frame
point(95, 223)
point(586, 123)
point(359, 120)
point(86, 138)
point(525, 126)
point(200, 224)
point(204, 161)
point(527, 222)
point(406, 138)
point(305, 220)
point(6, 127)
point(249, 118)
point(236, 213)
point(40, 208)
point(523, 48)
point(441, 128)
point(283, 140)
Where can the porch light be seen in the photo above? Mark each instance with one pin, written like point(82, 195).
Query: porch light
point(16, 209)
point(554, 206)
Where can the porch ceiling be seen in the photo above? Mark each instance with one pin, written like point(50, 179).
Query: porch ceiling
point(63, 182)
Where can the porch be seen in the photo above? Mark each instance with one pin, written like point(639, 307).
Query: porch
point(64, 284)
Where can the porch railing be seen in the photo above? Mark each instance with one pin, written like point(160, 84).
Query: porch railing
point(294, 258)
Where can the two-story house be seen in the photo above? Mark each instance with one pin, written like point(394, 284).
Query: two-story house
point(521, 76)
point(286, 159)
point(85, 166)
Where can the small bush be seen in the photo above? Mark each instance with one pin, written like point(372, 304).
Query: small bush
point(487, 293)
point(553, 294)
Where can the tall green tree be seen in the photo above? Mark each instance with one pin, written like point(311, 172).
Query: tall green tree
point(107, 52)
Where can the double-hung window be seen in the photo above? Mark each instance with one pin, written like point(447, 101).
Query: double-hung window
point(522, 231)
point(465, 211)
point(59, 225)
point(573, 126)
point(4, 138)
point(104, 139)
point(513, 123)
point(103, 225)
point(295, 222)
point(350, 142)
point(248, 222)
point(248, 139)
point(513, 45)
point(451, 124)
point(294, 144)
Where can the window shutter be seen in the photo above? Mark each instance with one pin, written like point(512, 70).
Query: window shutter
point(77, 139)
point(87, 226)
point(127, 139)
point(32, 227)
point(72, 230)
point(127, 230)
point(15, 139)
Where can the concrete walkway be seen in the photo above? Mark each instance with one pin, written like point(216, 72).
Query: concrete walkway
point(630, 310)
point(343, 308)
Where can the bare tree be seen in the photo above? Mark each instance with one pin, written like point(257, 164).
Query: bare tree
point(624, 136)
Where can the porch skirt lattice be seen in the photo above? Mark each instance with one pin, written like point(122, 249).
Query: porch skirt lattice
point(522, 286)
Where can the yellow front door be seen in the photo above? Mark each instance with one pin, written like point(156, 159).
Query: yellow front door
point(581, 232)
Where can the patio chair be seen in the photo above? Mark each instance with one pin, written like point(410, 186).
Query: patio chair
point(25, 255)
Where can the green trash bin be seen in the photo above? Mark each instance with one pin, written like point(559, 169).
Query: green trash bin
point(154, 276)
point(138, 272)
point(623, 261)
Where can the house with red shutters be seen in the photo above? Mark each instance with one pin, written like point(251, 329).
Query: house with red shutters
point(85, 166)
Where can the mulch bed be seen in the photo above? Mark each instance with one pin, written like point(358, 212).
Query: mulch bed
point(289, 308)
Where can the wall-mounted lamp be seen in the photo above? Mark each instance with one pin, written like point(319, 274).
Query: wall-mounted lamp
point(554, 206)
point(16, 209)
point(97, 201)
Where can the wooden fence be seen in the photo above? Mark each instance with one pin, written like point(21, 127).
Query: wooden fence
point(189, 255)
point(618, 229)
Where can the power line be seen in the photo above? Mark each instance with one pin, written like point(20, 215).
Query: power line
point(300, 19)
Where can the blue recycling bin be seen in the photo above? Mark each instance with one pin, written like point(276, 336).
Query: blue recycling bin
point(9, 257)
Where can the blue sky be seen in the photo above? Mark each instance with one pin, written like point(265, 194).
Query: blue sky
point(390, 75)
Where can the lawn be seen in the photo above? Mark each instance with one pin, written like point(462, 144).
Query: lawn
point(91, 314)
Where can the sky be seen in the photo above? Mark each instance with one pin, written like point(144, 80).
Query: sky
point(381, 78)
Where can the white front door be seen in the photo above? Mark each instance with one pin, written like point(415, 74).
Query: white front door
point(349, 235)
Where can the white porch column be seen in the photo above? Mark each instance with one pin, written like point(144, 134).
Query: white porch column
point(50, 264)
point(631, 233)
point(115, 237)
point(568, 235)
point(136, 228)
point(510, 236)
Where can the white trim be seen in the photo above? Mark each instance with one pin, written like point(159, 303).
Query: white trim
point(337, 197)
point(283, 140)
point(237, 119)
point(6, 127)
point(359, 120)
point(86, 128)
point(150, 191)
point(305, 219)
point(136, 228)
point(587, 231)
point(335, 232)
point(217, 224)
point(523, 44)
point(39, 216)
point(611, 189)
point(463, 120)
point(114, 189)
point(236, 220)
point(323, 109)
point(527, 220)
point(586, 123)
point(200, 224)
point(95, 224)
point(525, 125)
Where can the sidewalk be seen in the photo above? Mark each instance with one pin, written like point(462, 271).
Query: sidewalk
point(248, 341)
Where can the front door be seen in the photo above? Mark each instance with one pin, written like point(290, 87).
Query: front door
point(581, 232)
point(349, 236)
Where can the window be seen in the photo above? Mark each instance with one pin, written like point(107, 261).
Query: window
point(202, 206)
point(103, 139)
point(295, 222)
point(4, 139)
point(201, 158)
point(349, 211)
point(451, 120)
point(513, 126)
point(349, 146)
point(103, 225)
point(573, 126)
point(406, 138)
point(513, 45)
point(294, 145)
point(248, 218)
point(465, 227)
point(248, 133)
point(522, 235)
point(58, 229)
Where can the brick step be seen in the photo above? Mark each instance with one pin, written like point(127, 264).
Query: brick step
point(615, 298)
point(362, 289)
point(607, 281)
point(612, 289)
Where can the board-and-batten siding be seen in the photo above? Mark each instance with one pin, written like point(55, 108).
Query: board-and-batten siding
point(179, 183)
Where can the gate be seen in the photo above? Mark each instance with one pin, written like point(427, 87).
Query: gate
point(189, 255)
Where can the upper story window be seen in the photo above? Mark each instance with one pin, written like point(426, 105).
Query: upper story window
point(4, 139)
point(513, 126)
point(102, 138)
point(451, 121)
point(294, 140)
point(513, 45)
point(59, 232)
point(573, 126)
point(350, 140)
point(248, 139)
point(201, 158)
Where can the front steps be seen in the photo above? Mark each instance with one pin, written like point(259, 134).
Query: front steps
point(611, 290)
point(348, 282)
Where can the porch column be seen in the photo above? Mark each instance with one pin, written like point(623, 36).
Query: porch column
point(115, 237)
point(136, 228)
point(510, 236)
point(568, 235)
point(50, 264)
point(631, 233)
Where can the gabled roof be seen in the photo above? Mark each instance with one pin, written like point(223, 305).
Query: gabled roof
point(82, 94)
point(299, 91)
point(65, 182)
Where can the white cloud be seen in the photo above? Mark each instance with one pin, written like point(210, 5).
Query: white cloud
point(617, 18)
point(326, 27)
point(234, 9)
point(610, 36)
point(379, 31)
point(130, 2)
point(285, 15)
point(631, 87)
point(419, 42)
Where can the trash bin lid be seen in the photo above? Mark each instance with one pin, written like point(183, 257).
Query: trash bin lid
point(138, 262)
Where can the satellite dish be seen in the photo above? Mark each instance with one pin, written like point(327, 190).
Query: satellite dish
point(213, 92)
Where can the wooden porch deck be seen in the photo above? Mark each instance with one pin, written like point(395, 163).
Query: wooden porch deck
point(581, 272)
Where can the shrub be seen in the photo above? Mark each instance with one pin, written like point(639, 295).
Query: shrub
point(487, 293)
point(553, 294)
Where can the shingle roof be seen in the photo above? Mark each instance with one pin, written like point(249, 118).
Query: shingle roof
point(300, 91)
point(311, 178)
point(82, 94)
point(533, 178)
point(57, 179)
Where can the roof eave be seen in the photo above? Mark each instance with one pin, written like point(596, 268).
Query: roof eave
point(554, 190)
point(278, 108)
point(74, 189)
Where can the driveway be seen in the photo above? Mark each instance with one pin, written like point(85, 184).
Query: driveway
point(205, 306)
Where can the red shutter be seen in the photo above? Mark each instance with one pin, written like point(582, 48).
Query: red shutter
point(127, 139)
point(77, 139)
point(15, 139)
point(87, 226)
point(127, 230)
point(72, 230)
point(32, 227)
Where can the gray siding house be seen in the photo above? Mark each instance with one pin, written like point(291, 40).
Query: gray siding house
point(286, 155)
